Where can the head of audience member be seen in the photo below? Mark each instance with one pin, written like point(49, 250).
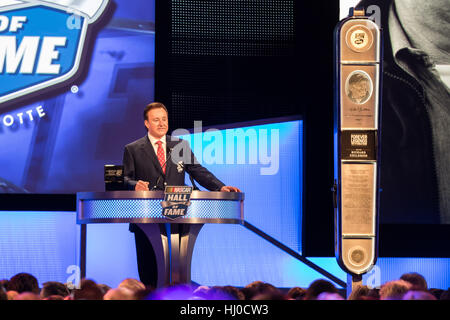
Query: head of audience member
point(418, 295)
point(367, 298)
point(417, 281)
point(55, 297)
point(11, 294)
point(329, 296)
point(143, 294)
point(258, 288)
point(319, 286)
point(119, 294)
point(394, 290)
point(296, 293)
point(250, 290)
point(27, 296)
point(270, 295)
point(445, 295)
point(132, 285)
point(3, 294)
point(436, 292)
point(4, 283)
point(359, 292)
point(88, 291)
point(23, 282)
point(104, 288)
point(54, 288)
point(374, 294)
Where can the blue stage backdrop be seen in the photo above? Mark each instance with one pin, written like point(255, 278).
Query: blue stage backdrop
point(273, 203)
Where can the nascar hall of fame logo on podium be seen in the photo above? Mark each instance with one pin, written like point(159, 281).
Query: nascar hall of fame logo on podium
point(41, 42)
point(176, 201)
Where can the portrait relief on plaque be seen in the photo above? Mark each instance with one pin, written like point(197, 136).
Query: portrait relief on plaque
point(358, 87)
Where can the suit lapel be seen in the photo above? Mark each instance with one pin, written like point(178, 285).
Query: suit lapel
point(170, 165)
point(148, 149)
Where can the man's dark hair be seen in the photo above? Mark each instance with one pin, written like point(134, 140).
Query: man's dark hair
point(417, 281)
point(143, 294)
point(88, 291)
point(296, 293)
point(104, 288)
point(23, 282)
point(358, 292)
point(317, 287)
point(154, 105)
point(3, 287)
point(374, 293)
point(445, 295)
point(257, 288)
point(54, 288)
point(437, 293)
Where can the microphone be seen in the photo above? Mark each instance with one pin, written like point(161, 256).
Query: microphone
point(169, 154)
point(194, 186)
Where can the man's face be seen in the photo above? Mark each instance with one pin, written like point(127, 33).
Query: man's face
point(157, 122)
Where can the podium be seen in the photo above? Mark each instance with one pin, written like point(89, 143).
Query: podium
point(173, 240)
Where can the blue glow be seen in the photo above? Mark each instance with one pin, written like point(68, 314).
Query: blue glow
point(227, 254)
point(43, 244)
point(111, 253)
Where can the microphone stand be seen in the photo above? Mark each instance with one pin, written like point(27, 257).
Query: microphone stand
point(194, 186)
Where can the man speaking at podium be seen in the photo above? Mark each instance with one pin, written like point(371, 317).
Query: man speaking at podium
point(148, 165)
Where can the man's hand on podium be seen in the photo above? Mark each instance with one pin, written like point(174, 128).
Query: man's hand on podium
point(142, 186)
point(230, 189)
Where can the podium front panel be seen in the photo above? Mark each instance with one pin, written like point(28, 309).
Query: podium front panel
point(145, 207)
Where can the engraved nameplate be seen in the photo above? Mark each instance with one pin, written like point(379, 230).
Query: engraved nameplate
point(358, 198)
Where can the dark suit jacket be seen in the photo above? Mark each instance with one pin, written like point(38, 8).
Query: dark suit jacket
point(141, 163)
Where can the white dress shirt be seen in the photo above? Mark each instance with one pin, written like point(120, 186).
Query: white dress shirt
point(154, 140)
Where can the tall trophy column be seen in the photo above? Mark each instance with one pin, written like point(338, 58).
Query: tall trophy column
point(356, 142)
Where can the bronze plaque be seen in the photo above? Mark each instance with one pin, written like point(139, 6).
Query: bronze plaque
point(358, 255)
point(358, 192)
point(359, 96)
point(360, 41)
point(359, 38)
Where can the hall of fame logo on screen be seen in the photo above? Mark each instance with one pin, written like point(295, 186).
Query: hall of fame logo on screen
point(42, 42)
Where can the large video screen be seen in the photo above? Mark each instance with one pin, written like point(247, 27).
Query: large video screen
point(415, 148)
point(74, 79)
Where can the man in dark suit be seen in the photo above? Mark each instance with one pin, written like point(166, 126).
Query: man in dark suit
point(150, 163)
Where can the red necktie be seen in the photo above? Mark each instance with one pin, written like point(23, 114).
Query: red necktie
point(161, 157)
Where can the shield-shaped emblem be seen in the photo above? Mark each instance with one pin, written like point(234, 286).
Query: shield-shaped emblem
point(41, 42)
point(176, 201)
